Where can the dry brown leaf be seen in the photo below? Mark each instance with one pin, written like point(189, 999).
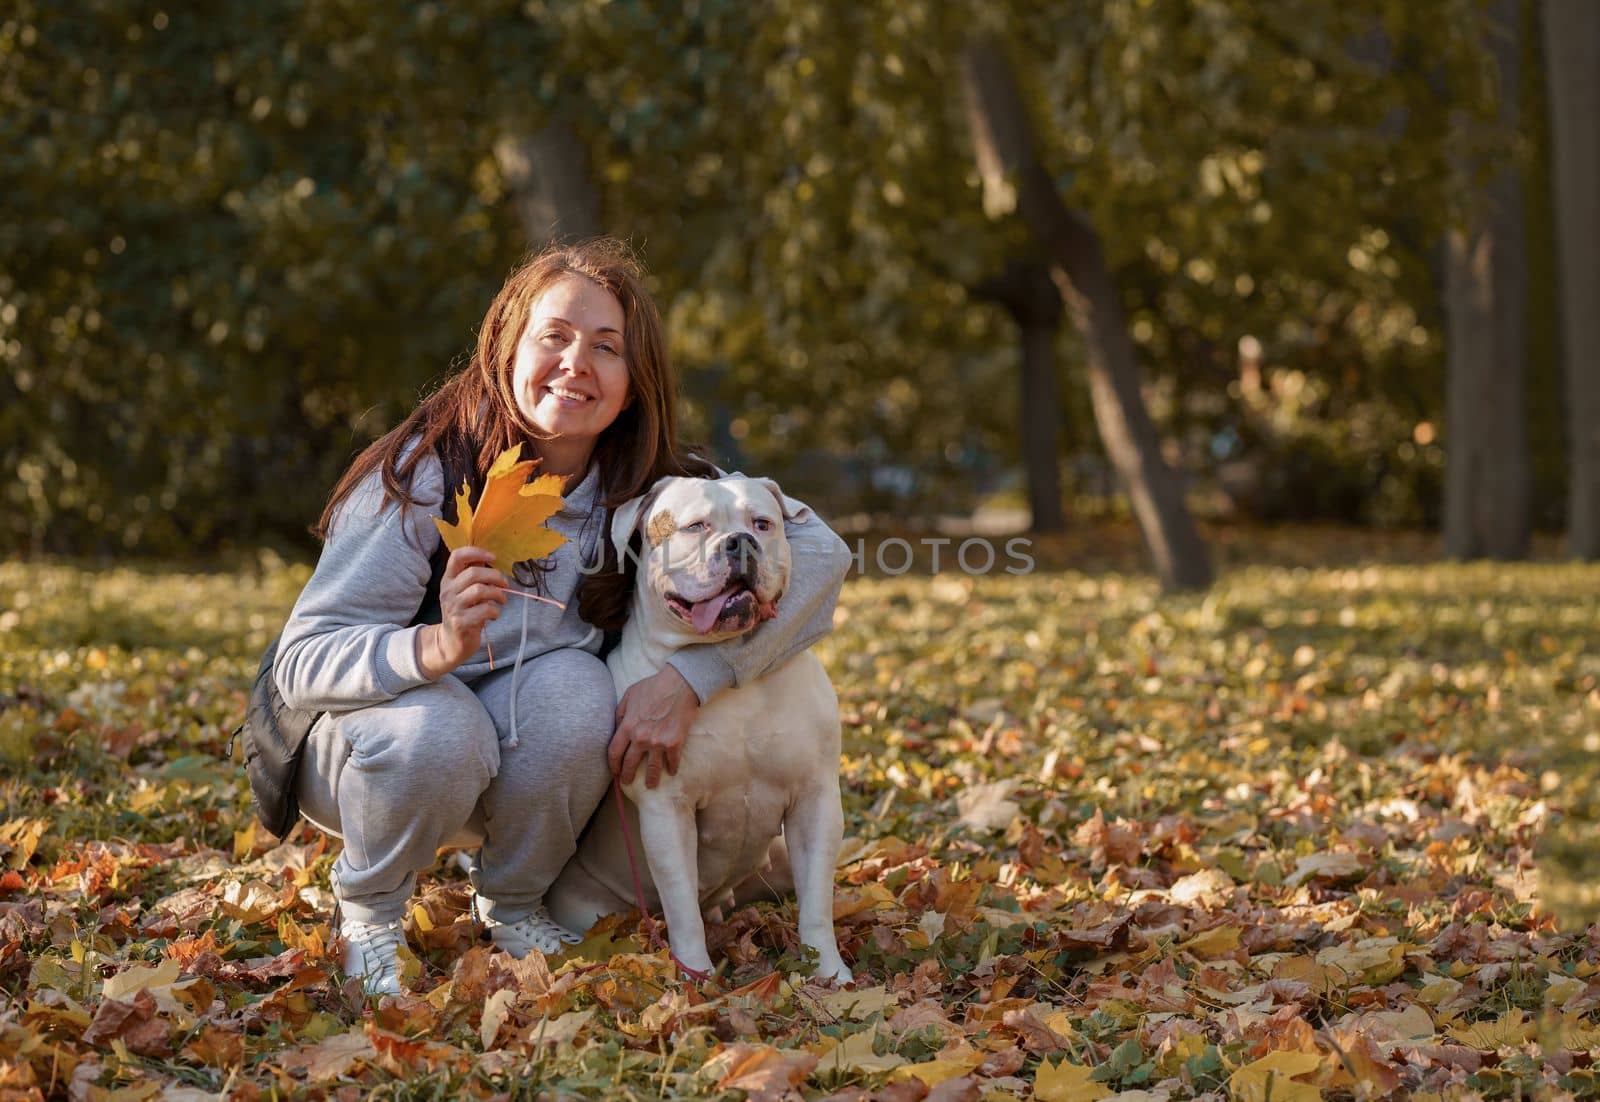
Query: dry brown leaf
point(134, 1023)
point(767, 1073)
point(330, 1057)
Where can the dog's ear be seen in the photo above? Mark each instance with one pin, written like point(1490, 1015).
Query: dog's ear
point(625, 521)
point(792, 509)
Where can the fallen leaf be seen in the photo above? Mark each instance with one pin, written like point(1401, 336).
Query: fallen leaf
point(495, 1010)
point(986, 808)
point(19, 840)
point(133, 1023)
point(1066, 1082)
point(130, 981)
point(1330, 865)
point(1507, 1031)
point(855, 1053)
point(767, 1073)
point(947, 1065)
point(558, 1031)
point(858, 1005)
point(1208, 888)
point(330, 1057)
point(1272, 1077)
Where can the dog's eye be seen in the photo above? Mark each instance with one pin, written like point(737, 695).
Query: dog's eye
point(697, 526)
point(763, 524)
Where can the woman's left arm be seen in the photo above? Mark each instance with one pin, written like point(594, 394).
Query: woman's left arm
point(818, 563)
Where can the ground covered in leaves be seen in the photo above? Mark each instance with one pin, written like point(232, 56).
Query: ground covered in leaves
point(1272, 842)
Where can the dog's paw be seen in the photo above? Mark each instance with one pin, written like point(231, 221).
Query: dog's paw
point(835, 970)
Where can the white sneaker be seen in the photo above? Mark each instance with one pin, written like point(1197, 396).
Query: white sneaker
point(372, 952)
point(536, 930)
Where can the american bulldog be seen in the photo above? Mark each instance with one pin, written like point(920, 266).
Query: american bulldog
point(759, 770)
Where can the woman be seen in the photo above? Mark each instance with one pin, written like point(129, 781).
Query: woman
point(424, 734)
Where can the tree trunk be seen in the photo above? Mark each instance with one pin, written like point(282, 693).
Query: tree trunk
point(1029, 295)
point(1014, 178)
point(549, 180)
point(1572, 62)
point(1487, 474)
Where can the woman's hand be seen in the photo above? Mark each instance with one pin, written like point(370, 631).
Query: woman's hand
point(652, 721)
point(469, 597)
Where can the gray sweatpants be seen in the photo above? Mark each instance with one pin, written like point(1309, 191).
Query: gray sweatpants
point(400, 779)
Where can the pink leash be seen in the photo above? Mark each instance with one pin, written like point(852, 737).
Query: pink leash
point(652, 934)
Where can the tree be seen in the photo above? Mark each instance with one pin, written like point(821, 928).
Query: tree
point(548, 176)
point(1572, 53)
point(1028, 294)
point(208, 299)
point(1487, 478)
point(1013, 176)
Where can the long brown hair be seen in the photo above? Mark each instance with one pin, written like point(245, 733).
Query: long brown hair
point(474, 416)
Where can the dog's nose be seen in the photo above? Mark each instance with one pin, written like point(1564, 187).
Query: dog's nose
point(742, 552)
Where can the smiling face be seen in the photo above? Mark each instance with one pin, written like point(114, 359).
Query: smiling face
point(570, 375)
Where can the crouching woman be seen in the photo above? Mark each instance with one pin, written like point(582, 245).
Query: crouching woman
point(456, 708)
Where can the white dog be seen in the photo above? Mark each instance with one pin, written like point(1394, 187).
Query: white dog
point(760, 759)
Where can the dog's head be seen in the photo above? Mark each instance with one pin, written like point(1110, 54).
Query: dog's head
point(712, 556)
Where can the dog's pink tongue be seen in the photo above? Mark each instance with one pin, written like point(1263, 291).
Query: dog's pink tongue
point(704, 613)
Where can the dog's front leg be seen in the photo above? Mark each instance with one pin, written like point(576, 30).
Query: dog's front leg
point(814, 827)
point(667, 828)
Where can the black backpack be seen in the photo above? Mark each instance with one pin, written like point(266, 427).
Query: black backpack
point(274, 742)
point(275, 734)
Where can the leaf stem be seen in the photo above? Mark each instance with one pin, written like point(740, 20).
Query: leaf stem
point(536, 597)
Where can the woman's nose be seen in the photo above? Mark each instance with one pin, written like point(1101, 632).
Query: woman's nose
point(576, 360)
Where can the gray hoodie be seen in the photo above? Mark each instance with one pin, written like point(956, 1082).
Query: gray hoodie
point(351, 641)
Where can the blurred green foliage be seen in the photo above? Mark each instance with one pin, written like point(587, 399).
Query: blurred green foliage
point(240, 244)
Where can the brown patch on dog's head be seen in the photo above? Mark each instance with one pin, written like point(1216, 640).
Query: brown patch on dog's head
point(661, 526)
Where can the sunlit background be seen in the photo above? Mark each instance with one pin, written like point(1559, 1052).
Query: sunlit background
point(238, 243)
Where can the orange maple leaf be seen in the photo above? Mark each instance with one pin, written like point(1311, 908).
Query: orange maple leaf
point(510, 519)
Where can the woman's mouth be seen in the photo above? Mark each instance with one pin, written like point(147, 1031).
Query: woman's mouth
point(567, 397)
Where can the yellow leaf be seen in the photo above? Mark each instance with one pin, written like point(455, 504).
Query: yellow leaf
point(1507, 1031)
point(1219, 941)
point(1272, 1076)
point(19, 839)
point(1577, 1034)
point(855, 1054)
point(1373, 960)
point(1306, 971)
point(1183, 1047)
point(509, 520)
point(1066, 1082)
point(858, 1005)
point(244, 841)
point(130, 981)
point(956, 1062)
point(1059, 1022)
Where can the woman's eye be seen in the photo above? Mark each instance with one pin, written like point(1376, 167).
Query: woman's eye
point(606, 348)
point(553, 336)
